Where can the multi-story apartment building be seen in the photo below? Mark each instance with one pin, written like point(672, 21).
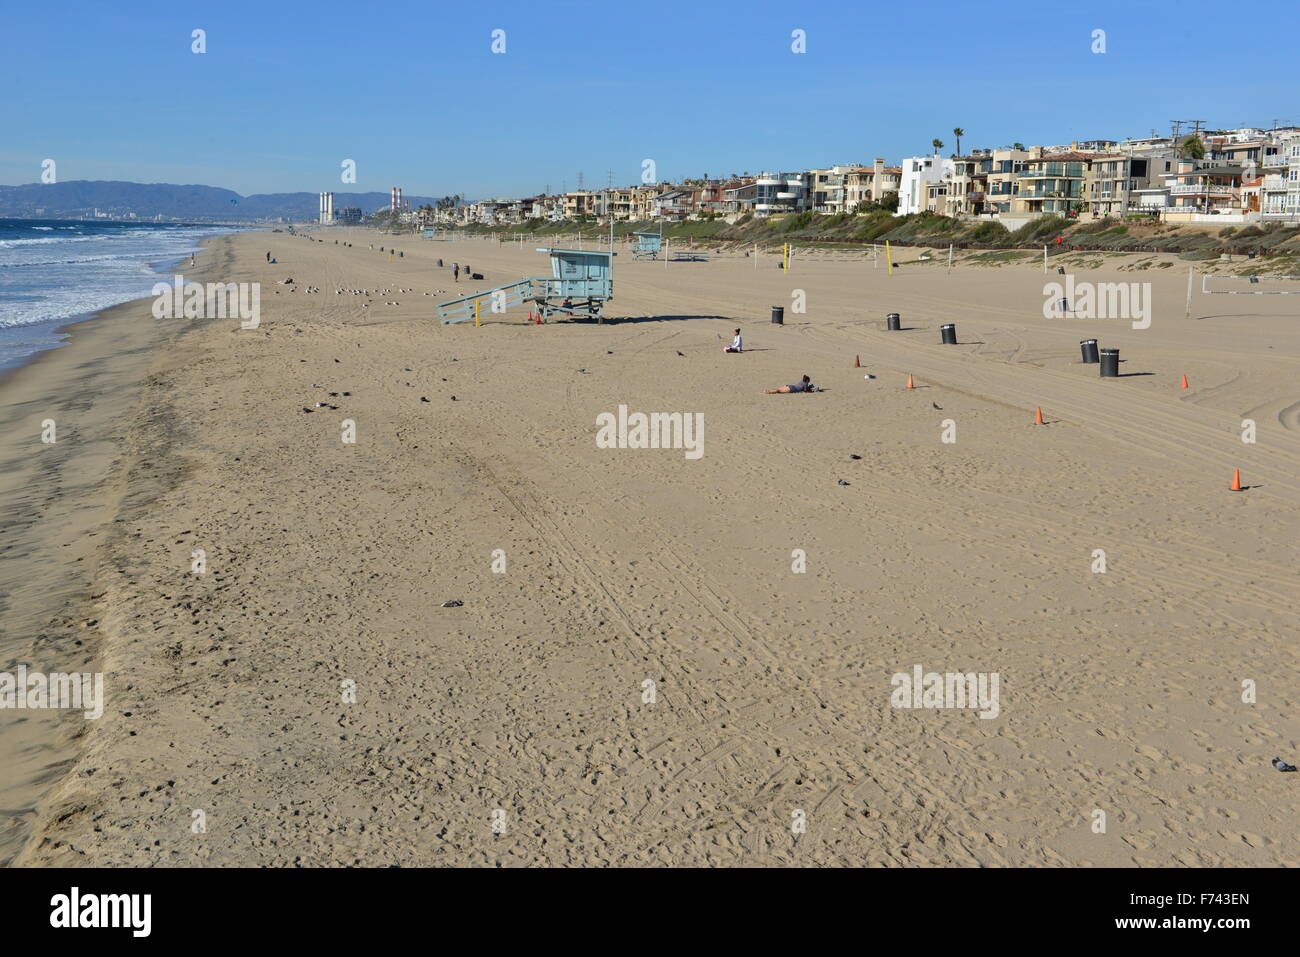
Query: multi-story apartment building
point(644, 200)
point(581, 203)
point(1118, 181)
point(1004, 173)
point(619, 203)
point(1054, 183)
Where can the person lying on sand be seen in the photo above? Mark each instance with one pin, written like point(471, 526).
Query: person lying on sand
point(804, 386)
point(736, 344)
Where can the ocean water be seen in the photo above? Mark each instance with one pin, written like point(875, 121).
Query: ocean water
point(52, 271)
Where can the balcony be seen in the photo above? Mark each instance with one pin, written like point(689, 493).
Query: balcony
point(1053, 171)
point(1204, 189)
point(1047, 194)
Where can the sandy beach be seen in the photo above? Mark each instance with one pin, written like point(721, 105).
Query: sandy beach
point(311, 702)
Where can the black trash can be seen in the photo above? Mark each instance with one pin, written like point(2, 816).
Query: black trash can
point(893, 322)
point(1088, 349)
point(948, 333)
point(1110, 363)
point(778, 315)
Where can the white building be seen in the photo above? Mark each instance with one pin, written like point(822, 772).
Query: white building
point(781, 193)
point(1291, 152)
point(918, 173)
point(326, 209)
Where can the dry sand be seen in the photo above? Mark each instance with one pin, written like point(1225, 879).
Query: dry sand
point(328, 563)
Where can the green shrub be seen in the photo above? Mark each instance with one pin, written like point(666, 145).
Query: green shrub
point(1038, 228)
point(990, 233)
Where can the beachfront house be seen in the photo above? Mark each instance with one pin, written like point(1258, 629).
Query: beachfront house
point(1286, 182)
point(738, 200)
point(1117, 182)
point(967, 184)
point(780, 193)
point(580, 203)
point(1199, 188)
point(644, 199)
point(921, 184)
point(827, 187)
point(869, 184)
point(1053, 184)
point(1004, 172)
point(708, 196)
point(674, 204)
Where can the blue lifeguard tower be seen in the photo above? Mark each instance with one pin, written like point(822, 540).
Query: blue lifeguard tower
point(581, 282)
point(647, 245)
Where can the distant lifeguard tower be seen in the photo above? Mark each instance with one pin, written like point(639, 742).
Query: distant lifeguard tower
point(581, 282)
point(647, 245)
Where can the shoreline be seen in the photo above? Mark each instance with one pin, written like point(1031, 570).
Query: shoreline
point(328, 564)
point(65, 326)
point(60, 501)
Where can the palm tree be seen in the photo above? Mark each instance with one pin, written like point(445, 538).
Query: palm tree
point(1192, 147)
point(937, 144)
point(959, 133)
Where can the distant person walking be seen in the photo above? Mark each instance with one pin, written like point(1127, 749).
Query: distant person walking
point(268, 257)
point(455, 271)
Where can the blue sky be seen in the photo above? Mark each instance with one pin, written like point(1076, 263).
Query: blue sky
point(413, 93)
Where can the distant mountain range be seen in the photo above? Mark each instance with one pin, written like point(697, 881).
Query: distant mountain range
point(80, 198)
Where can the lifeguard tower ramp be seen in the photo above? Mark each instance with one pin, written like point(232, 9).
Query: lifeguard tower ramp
point(580, 284)
point(647, 245)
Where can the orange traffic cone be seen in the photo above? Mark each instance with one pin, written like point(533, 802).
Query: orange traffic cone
point(857, 362)
point(1236, 481)
point(909, 381)
point(1038, 415)
point(1184, 381)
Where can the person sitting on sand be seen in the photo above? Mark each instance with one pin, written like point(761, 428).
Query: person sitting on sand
point(804, 386)
point(736, 344)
